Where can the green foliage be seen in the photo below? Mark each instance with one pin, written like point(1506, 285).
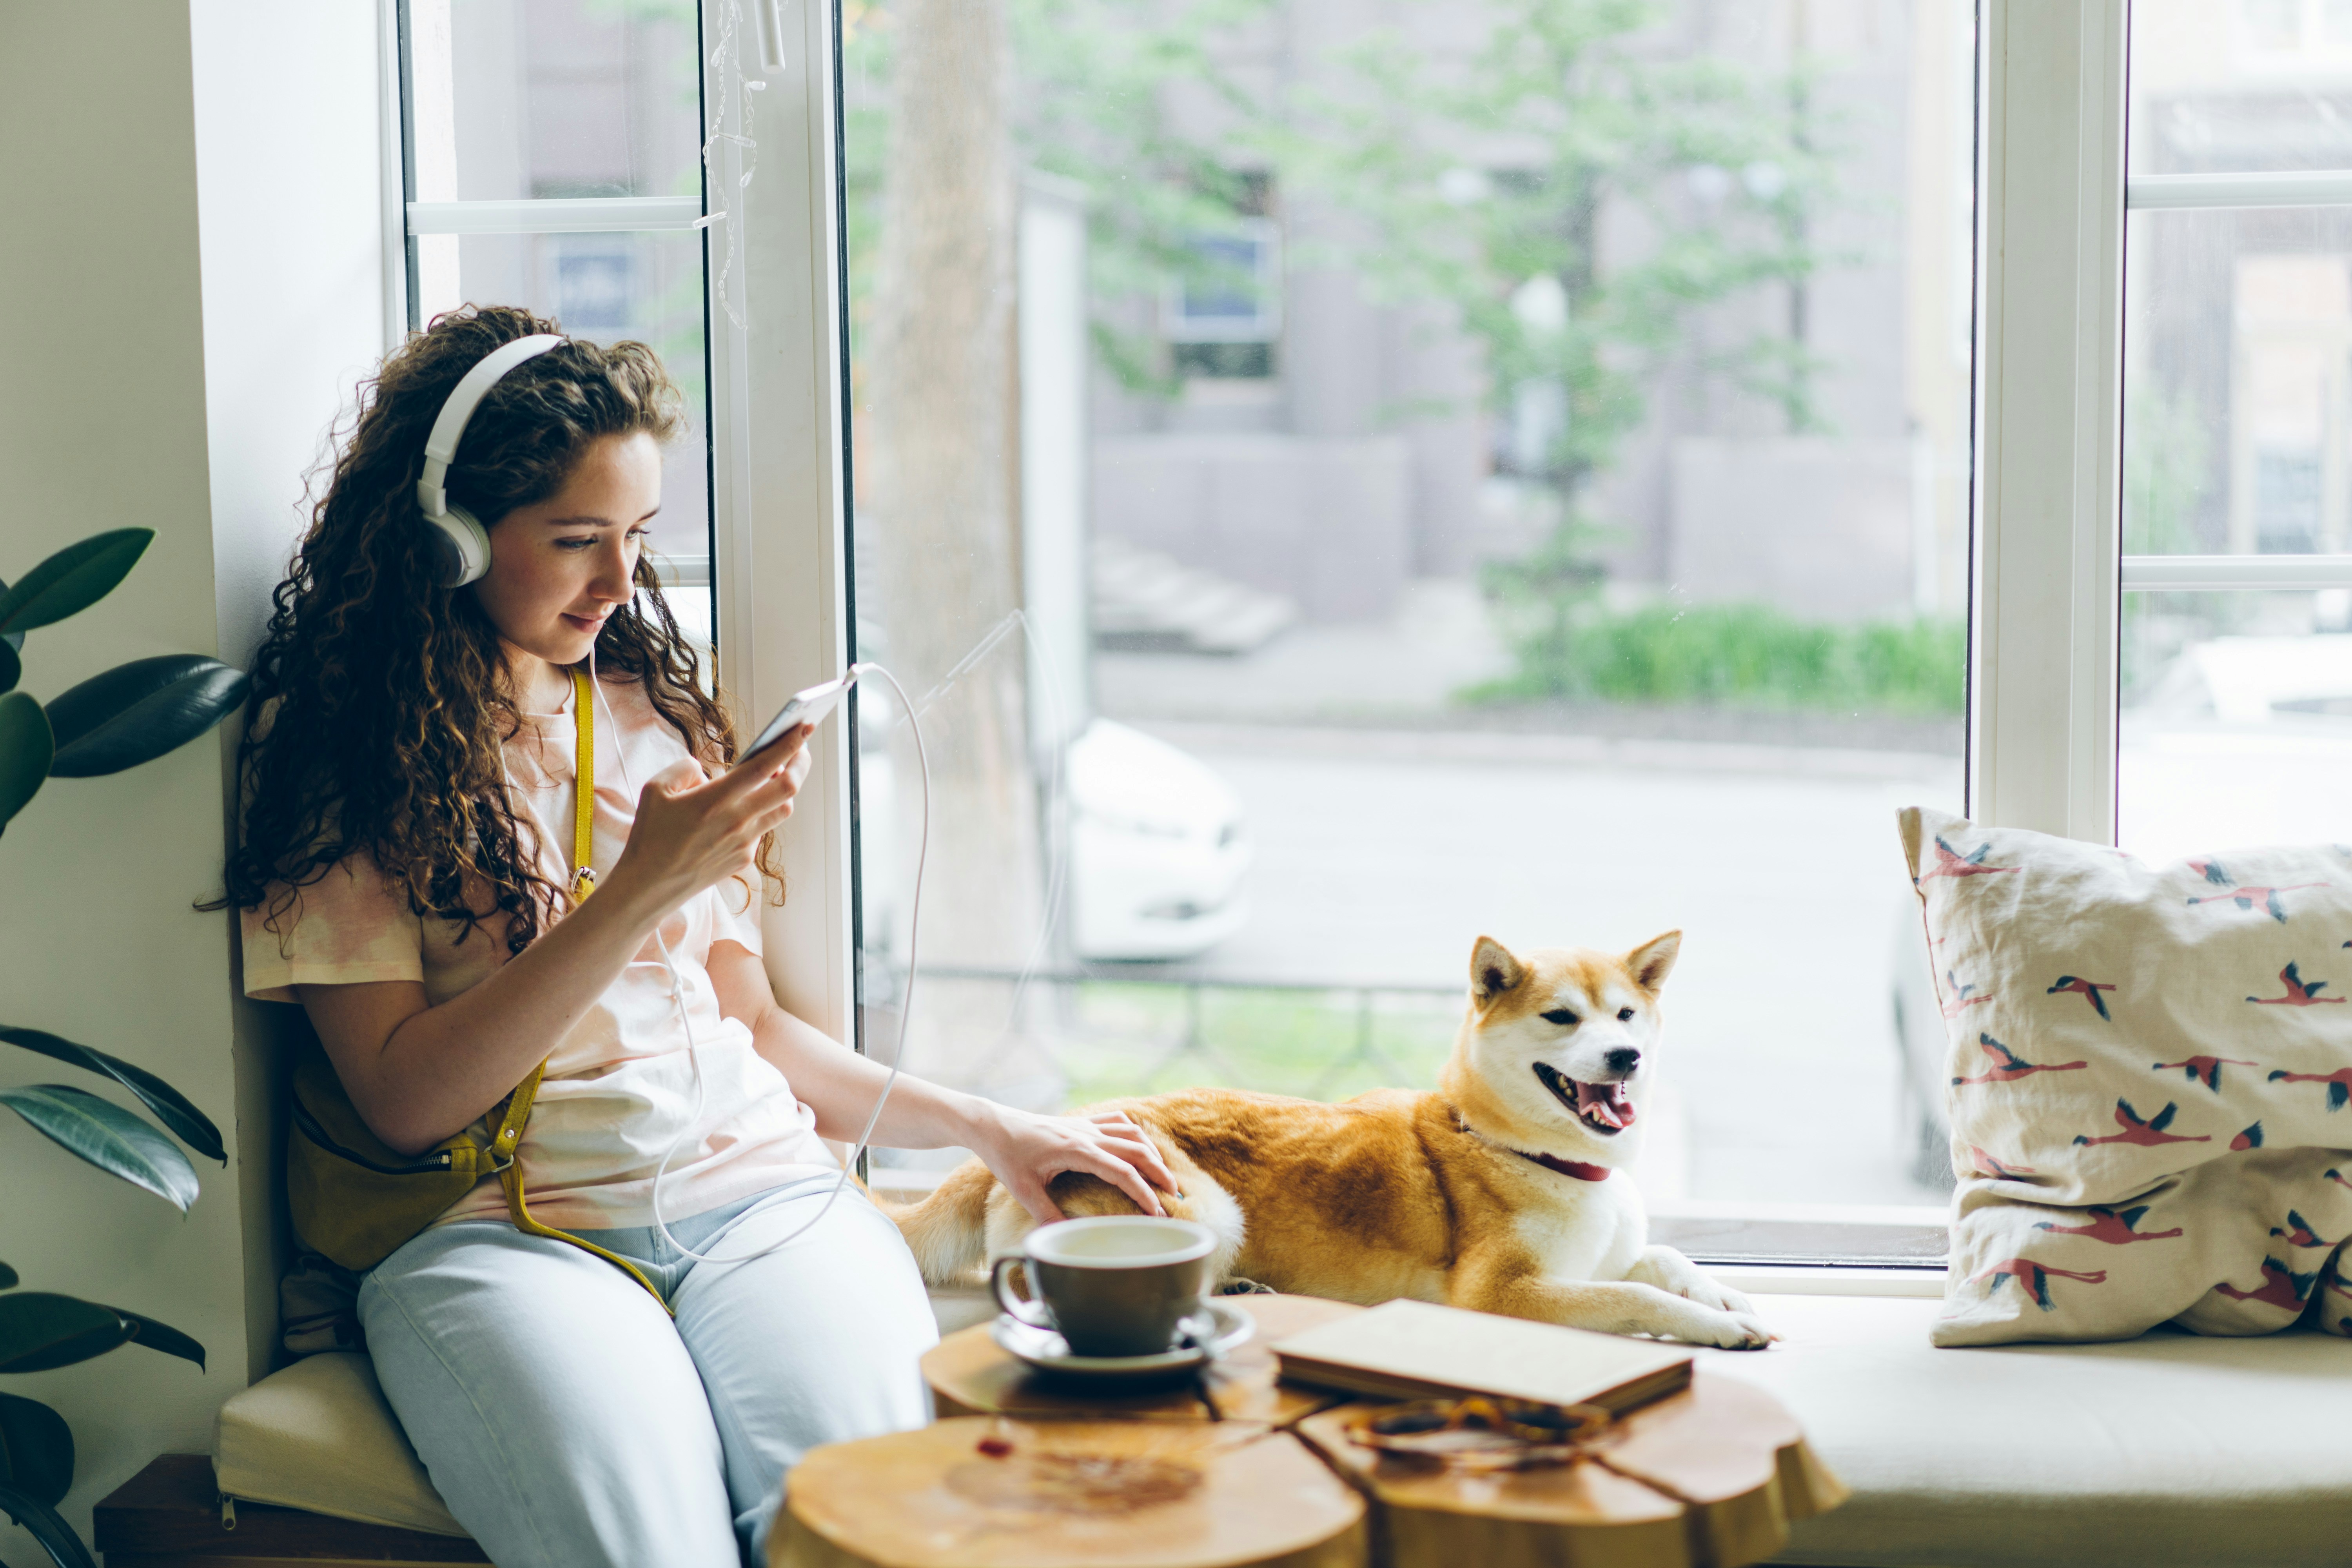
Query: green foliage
point(106, 1136)
point(73, 579)
point(1739, 655)
point(125, 716)
point(137, 712)
point(170, 1107)
point(37, 1449)
point(26, 750)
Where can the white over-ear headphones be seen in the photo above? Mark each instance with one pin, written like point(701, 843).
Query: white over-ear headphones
point(464, 542)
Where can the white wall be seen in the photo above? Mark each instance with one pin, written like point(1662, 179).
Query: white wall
point(190, 277)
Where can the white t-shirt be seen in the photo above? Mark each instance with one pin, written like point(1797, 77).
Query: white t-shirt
point(619, 1085)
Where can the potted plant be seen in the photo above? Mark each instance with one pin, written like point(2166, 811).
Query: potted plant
point(128, 715)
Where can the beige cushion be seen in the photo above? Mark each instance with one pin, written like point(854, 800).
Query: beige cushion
point(2148, 1076)
point(2167, 1449)
point(318, 1436)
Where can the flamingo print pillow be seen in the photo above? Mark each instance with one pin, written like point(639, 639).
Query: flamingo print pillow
point(2150, 1073)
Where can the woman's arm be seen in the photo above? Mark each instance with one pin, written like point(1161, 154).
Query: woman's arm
point(418, 1074)
point(1026, 1151)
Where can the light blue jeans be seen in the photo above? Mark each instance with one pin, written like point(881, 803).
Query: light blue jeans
point(570, 1424)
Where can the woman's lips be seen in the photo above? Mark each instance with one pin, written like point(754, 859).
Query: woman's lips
point(585, 622)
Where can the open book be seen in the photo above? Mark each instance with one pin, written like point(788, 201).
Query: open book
point(1411, 1350)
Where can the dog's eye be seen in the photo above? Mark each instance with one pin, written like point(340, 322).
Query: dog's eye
point(1562, 1016)
point(1624, 1015)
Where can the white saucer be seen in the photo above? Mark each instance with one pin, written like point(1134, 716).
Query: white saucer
point(1044, 1349)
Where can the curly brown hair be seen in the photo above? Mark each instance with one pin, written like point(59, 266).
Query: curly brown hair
point(380, 705)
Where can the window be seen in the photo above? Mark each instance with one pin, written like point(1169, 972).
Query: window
point(551, 158)
point(1448, 526)
point(2236, 673)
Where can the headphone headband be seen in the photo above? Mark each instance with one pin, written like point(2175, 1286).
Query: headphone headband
point(449, 428)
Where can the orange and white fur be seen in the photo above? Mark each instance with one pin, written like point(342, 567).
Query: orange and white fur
point(1502, 1191)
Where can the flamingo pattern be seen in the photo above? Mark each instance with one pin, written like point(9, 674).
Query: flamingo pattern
point(2204, 1069)
point(1989, 1166)
point(2297, 1232)
point(2034, 1278)
point(2114, 1226)
point(2145, 1132)
point(2247, 896)
point(2280, 1287)
point(2008, 1066)
point(2300, 992)
point(2215, 970)
point(2089, 989)
point(1963, 996)
point(2339, 1085)
point(1950, 862)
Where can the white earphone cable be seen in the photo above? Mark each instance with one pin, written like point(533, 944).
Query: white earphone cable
point(677, 995)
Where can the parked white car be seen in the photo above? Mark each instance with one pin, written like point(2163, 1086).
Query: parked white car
point(1158, 855)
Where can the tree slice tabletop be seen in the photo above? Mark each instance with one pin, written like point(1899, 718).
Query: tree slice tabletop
point(980, 1492)
point(1710, 1478)
point(970, 1374)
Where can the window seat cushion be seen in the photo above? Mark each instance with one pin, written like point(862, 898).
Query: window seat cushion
point(2169, 1450)
point(2172, 1449)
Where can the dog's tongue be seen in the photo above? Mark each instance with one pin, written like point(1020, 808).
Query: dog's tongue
point(1604, 1103)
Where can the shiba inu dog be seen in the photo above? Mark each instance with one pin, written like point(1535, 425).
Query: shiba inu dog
point(1501, 1192)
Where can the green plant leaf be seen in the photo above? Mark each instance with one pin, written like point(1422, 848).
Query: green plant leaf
point(108, 1136)
point(12, 668)
point(162, 1337)
point(73, 579)
point(137, 712)
point(37, 1451)
point(7, 1278)
point(41, 1330)
point(26, 749)
point(170, 1107)
point(42, 1524)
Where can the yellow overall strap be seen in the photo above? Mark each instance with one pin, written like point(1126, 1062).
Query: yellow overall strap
point(583, 882)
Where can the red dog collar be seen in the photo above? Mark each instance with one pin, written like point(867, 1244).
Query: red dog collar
point(1577, 1168)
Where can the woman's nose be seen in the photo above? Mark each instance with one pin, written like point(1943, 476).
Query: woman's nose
point(615, 578)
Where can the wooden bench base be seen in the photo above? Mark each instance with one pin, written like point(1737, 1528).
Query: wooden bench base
point(169, 1515)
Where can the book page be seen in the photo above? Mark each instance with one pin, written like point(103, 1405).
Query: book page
point(1480, 1352)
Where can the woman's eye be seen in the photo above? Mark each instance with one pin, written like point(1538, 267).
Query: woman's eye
point(1624, 1015)
point(576, 544)
point(1559, 1016)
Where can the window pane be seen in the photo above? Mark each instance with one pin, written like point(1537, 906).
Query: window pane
point(2240, 85)
point(554, 98)
point(1426, 520)
point(606, 287)
point(2236, 721)
point(2238, 381)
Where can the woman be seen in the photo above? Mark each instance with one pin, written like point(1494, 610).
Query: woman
point(404, 876)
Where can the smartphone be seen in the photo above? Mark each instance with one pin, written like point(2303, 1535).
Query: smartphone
point(802, 707)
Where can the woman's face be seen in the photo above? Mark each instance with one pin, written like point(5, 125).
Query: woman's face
point(558, 568)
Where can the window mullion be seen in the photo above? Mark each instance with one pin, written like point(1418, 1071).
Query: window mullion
point(2043, 688)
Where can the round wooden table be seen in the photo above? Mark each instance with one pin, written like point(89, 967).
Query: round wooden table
point(981, 1491)
point(1224, 1471)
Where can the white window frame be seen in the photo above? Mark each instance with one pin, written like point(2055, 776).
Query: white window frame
point(2046, 561)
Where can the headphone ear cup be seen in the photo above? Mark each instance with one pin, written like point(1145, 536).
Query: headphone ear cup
point(464, 546)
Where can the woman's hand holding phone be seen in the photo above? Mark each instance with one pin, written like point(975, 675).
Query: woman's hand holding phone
point(693, 831)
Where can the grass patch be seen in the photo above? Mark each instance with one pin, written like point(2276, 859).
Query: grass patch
point(1739, 655)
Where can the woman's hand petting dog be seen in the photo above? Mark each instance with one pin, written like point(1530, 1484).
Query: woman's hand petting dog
point(1026, 1151)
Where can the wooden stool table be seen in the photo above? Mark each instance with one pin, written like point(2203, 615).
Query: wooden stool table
point(1073, 1477)
point(970, 1374)
point(985, 1491)
point(1710, 1478)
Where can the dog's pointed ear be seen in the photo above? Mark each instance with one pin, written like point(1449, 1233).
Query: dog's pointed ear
point(1493, 971)
point(1651, 962)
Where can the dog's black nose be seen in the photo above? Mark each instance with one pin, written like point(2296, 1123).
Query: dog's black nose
point(1623, 1059)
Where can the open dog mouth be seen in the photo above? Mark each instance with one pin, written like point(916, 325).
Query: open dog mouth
point(1603, 1108)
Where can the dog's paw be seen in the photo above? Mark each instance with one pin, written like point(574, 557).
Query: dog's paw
point(1706, 1293)
point(1735, 1331)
